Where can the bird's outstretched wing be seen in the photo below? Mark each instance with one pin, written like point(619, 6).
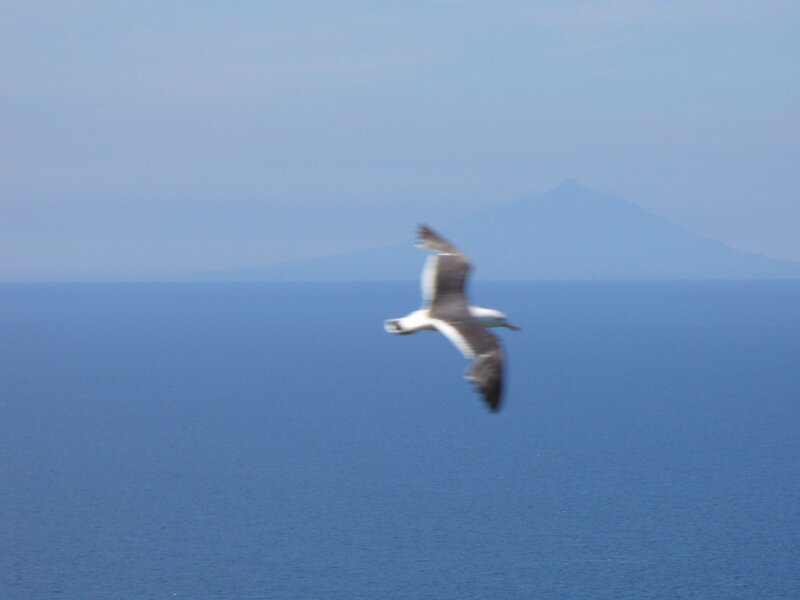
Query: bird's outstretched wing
point(486, 373)
point(445, 273)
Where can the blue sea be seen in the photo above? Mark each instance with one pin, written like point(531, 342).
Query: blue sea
point(271, 441)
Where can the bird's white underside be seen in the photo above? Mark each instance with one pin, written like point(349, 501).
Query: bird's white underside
point(452, 334)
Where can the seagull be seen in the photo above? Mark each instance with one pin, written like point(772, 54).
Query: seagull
point(445, 308)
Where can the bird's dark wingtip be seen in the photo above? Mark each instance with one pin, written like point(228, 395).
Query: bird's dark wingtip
point(486, 374)
point(430, 240)
point(423, 232)
point(493, 408)
point(492, 399)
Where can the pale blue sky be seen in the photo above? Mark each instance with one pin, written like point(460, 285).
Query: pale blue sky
point(154, 137)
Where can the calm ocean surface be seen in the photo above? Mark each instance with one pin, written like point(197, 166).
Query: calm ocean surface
point(270, 441)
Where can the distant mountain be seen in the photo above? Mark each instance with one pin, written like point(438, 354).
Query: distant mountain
point(570, 232)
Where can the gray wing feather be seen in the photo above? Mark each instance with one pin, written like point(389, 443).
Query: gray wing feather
point(446, 291)
point(446, 273)
point(486, 373)
point(430, 240)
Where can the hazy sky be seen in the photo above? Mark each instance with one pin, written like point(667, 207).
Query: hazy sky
point(154, 137)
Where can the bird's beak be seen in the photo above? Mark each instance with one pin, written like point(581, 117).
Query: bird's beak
point(514, 327)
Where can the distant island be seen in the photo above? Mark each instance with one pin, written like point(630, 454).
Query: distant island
point(567, 233)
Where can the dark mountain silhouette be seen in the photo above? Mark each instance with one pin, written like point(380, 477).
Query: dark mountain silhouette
point(570, 232)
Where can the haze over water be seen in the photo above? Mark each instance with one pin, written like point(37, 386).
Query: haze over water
point(272, 441)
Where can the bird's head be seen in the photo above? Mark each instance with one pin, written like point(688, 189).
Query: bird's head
point(488, 317)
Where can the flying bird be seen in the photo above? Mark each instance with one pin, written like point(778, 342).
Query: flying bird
point(445, 308)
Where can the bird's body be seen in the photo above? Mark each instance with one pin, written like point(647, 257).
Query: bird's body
point(445, 308)
point(420, 320)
